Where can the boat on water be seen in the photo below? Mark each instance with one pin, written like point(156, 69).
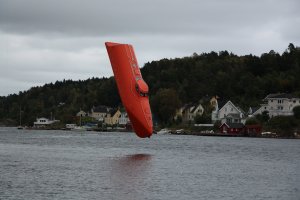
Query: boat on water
point(132, 88)
point(79, 128)
point(164, 131)
point(73, 127)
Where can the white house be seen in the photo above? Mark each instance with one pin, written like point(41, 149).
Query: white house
point(81, 113)
point(189, 111)
point(280, 104)
point(99, 112)
point(112, 117)
point(123, 120)
point(43, 122)
point(228, 113)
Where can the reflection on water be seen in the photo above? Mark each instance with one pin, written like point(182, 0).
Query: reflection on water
point(137, 157)
point(129, 175)
point(131, 166)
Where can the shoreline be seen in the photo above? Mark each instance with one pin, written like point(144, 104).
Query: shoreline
point(155, 133)
point(233, 135)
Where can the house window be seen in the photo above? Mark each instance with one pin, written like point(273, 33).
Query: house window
point(231, 109)
point(271, 100)
point(225, 109)
point(294, 101)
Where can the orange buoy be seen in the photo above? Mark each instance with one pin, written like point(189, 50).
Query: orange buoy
point(132, 88)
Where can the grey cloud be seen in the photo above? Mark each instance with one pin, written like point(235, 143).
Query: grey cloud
point(113, 17)
point(49, 40)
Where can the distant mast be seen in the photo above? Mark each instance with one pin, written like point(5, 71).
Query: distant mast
point(20, 116)
point(20, 125)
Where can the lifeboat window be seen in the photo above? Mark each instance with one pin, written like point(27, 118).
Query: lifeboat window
point(142, 88)
point(142, 94)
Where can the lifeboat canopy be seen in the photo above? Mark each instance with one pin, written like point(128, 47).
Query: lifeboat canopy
point(142, 87)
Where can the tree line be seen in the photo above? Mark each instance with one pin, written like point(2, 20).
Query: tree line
point(245, 80)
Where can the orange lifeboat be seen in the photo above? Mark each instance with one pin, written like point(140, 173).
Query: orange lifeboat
point(132, 88)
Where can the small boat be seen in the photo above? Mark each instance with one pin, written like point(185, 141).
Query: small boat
point(79, 128)
point(132, 88)
point(164, 131)
point(180, 131)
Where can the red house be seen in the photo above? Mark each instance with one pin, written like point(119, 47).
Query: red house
point(232, 128)
point(253, 130)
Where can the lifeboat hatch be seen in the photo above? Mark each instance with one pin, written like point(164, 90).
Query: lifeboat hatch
point(142, 88)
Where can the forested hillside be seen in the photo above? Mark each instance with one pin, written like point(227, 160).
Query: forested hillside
point(245, 80)
point(63, 99)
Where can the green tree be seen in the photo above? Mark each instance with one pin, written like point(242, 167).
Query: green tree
point(263, 118)
point(202, 119)
point(284, 125)
point(164, 104)
point(252, 121)
point(242, 79)
point(296, 111)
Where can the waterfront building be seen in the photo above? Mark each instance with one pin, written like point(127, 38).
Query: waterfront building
point(81, 113)
point(189, 111)
point(99, 112)
point(112, 117)
point(123, 120)
point(228, 113)
point(279, 104)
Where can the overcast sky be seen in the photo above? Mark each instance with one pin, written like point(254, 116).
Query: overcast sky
point(42, 41)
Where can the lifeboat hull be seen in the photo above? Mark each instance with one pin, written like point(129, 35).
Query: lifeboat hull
point(132, 89)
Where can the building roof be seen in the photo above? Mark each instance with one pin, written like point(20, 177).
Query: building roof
point(112, 112)
point(81, 111)
point(236, 107)
point(253, 110)
point(240, 109)
point(186, 107)
point(195, 107)
point(281, 96)
point(101, 109)
point(192, 106)
point(124, 114)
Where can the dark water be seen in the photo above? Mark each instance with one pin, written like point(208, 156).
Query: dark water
point(66, 165)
